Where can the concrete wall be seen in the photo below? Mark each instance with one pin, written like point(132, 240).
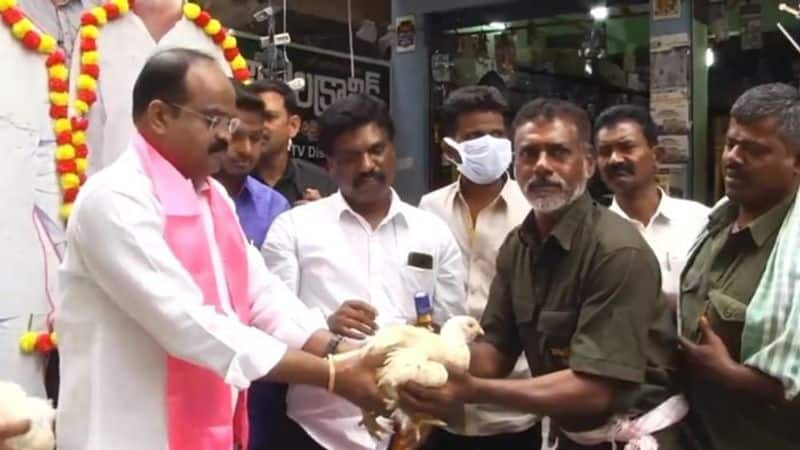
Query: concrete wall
point(410, 96)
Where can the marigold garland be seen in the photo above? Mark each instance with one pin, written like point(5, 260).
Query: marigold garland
point(70, 166)
point(71, 151)
point(86, 93)
point(94, 19)
point(42, 342)
point(23, 29)
point(227, 43)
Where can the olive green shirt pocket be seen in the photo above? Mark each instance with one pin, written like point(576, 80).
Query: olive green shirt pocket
point(555, 330)
point(726, 316)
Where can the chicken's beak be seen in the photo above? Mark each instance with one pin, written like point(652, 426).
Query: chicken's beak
point(480, 331)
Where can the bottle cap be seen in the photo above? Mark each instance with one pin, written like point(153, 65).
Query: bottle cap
point(422, 302)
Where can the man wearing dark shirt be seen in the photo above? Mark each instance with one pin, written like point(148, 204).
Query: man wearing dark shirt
point(256, 205)
point(578, 291)
point(297, 180)
point(736, 406)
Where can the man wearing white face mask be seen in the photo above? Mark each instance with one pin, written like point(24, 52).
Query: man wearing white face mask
point(481, 207)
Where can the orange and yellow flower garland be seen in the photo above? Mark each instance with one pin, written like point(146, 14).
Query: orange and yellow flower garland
point(72, 151)
point(227, 43)
point(97, 17)
point(91, 22)
point(70, 164)
point(43, 342)
point(67, 166)
point(86, 94)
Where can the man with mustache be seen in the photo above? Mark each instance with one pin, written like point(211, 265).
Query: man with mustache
point(347, 256)
point(628, 157)
point(743, 378)
point(577, 290)
point(160, 289)
point(257, 205)
point(481, 207)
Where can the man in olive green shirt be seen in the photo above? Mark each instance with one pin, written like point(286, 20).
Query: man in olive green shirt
point(578, 291)
point(733, 406)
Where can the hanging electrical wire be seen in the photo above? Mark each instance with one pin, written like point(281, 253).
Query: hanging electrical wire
point(350, 36)
point(284, 16)
point(796, 13)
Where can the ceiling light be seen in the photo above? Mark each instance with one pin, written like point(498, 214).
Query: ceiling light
point(599, 12)
point(710, 57)
point(499, 26)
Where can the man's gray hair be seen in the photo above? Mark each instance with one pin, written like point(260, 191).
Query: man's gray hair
point(776, 100)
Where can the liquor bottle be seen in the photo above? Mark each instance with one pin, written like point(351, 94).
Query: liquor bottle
point(422, 303)
point(424, 308)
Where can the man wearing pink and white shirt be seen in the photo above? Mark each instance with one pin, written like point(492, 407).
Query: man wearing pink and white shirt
point(167, 313)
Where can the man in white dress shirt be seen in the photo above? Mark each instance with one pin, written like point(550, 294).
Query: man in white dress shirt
point(481, 208)
point(628, 158)
point(124, 45)
point(167, 313)
point(346, 256)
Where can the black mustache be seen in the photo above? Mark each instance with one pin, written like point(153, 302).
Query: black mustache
point(617, 169)
point(218, 146)
point(361, 179)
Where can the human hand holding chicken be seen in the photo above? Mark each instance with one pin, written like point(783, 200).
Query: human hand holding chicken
point(413, 354)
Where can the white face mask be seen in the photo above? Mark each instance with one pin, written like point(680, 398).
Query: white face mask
point(483, 160)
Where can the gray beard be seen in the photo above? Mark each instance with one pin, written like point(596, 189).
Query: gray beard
point(557, 202)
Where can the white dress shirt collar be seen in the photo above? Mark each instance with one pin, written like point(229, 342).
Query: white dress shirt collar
point(505, 196)
point(396, 210)
point(670, 233)
point(667, 209)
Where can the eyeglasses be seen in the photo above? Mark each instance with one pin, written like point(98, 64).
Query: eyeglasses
point(216, 124)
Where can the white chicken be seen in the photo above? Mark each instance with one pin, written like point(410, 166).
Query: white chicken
point(415, 354)
point(15, 404)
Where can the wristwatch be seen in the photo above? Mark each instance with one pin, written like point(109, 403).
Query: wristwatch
point(332, 345)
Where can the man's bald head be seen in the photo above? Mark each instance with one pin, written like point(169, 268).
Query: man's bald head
point(185, 107)
point(163, 77)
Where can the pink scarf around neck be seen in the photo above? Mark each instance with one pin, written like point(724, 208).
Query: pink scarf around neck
point(200, 411)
